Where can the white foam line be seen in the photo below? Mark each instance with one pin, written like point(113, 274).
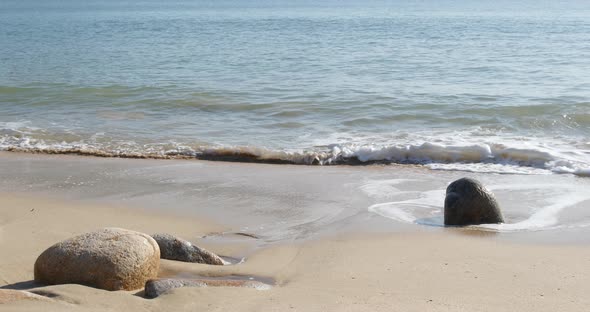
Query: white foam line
point(446, 153)
point(384, 188)
point(392, 212)
point(395, 210)
point(544, 218)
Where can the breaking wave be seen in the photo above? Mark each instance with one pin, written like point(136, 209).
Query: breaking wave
point(498, 158)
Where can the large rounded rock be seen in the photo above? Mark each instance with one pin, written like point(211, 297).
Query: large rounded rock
point(174, 248)
point(469, 202)
point(111, 259)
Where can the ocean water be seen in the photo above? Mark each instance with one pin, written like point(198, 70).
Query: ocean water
point(481, 86)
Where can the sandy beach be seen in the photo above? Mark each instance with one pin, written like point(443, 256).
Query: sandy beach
point(280, 155)
point(359, 262)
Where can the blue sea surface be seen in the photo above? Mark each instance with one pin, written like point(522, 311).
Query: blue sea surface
point(494, 86)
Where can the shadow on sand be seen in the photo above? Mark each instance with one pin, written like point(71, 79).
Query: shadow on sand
point(26, 285)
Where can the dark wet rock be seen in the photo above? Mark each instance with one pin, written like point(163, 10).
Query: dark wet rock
point(111, 259)
point(468, 202)
point(157, 287)
point(174, 248)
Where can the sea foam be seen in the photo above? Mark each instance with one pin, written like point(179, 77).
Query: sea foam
point(434, 152)
point(474, 157)
point(546, 202)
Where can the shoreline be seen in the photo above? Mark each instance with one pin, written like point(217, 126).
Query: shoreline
point(291, 203)
point(344, 156)
point(308, 231)
point(363, 271)
point(469, 158)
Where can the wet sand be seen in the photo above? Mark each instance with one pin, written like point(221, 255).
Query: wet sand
point(282, 203)
point(312, 234)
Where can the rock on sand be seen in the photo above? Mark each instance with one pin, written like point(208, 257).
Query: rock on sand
point(110, 258)
point(469, 202)
point(174, 248)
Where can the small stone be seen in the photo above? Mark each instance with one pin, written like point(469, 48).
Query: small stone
point(174, 248)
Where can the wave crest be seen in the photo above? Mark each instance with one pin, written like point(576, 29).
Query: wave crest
point(474, 157)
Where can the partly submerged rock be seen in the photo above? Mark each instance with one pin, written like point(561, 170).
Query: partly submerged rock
point(469, 202)
point(174, 248)
point(110, 258)
point(157, 287)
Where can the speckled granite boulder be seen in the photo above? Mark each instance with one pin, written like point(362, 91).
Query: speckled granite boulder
point(174, 248)
point(110, 258)
point(468, 202)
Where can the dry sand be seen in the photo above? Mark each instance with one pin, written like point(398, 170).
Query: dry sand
point(404, 271)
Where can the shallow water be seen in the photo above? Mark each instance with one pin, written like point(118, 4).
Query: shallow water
point(528, 204)
point(273, 203)
point(455, 85)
